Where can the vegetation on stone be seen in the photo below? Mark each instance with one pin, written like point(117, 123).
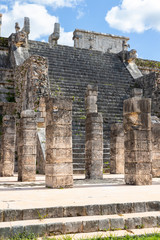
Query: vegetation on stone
point(147, 63)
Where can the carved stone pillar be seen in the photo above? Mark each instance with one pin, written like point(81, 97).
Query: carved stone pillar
point(117, 149)
point(8, 146)
point(27, 147)
point(137, 139)
point(59, 166)
point(94, 136)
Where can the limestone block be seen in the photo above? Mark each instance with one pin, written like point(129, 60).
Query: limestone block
point(59, 181)
point(58, 155)
point(73, 227)
point(59, 169)
point(90, 226)
point(137, 168)
point(149, 221)
point(138, 179)
point(116, 224)
point(55, 228)
point(138, 156)
point(104, 225)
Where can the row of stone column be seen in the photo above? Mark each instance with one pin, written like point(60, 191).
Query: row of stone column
point(59, 168)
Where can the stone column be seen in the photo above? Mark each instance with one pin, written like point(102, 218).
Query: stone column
point(137, 139)
point(156, 149)
point(27, 147)
point(117, 149)
point(94, 136)
point(59, 165)
point(8, 146)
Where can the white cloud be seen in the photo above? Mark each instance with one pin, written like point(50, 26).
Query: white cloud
point(135, 16)
point(65, 38)
point(41, 22)
point(55, 3)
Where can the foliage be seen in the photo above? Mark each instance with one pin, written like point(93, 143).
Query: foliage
point(147, 63)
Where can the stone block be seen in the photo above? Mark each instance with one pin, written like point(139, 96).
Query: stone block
point(90, 226)
point(38, 213)
point(155, 173)
point(55, 228)
point(13, 215)
point(75, 211)
point(39, 230)
point(137, 168)
point(29, 159)
point(133, 179)
point(109, 209)
point(137, 156)
point(139, 207)
point(104, 225)
point(133, 223)
point(116, 223)
point(59, 181)
point(73, 227)
point(59, 155)
point(95, 145)
point(92, 210)
point(149, 221)
point(153, 206)
point(125, 208)
point(59, 142)
point(56, 169)
point(55, 212)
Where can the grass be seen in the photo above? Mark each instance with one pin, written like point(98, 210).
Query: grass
point(25, 236)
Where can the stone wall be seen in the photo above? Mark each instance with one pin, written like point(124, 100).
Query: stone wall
point(98, 41)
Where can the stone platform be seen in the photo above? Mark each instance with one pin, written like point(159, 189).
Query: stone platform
point(89, 206)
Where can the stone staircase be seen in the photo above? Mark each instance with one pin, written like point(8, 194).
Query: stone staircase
point(79, 219)
point(70, 71)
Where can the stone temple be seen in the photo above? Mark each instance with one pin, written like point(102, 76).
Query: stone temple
point(90, 108)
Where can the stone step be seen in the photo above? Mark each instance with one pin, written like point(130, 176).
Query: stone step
point(53, 226)
point(15, 214)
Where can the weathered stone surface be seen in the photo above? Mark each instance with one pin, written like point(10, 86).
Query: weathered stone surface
point(27, 146)
point(155, 149)
point(59, 167)
point(8, 146)
point(137, 140)
point(98, 41)
point(117, 149)
point(94, 136)
point(116, 224)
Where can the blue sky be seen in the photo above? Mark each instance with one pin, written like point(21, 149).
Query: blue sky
point(137, 19)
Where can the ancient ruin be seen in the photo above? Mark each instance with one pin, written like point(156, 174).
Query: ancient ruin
point(43, 132)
